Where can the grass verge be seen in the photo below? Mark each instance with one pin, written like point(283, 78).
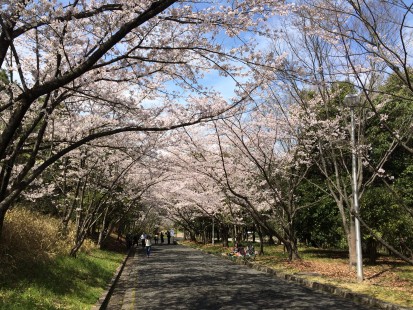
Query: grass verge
point(389, 280)
point(62, 283)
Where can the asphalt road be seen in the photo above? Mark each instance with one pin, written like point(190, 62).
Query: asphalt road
point(178, 277)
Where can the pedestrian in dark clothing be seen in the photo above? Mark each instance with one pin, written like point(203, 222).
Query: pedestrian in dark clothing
point(129, 241)
point(168, 235)
point(162, 239)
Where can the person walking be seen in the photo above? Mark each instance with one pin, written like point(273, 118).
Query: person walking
point(168, 235)
point(162, 239)
point(148, 245)
point(129, 241)
point(143, 237)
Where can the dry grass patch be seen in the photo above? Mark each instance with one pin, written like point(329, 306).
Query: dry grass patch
point(28, 236)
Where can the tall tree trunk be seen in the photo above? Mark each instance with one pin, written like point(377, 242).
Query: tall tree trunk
point(103, 228)
point(225, 235)
point(293, 247)
point(239, 234)
point(260, 235)
point(349, 230)
point(69, 210)
point(204, 236)
point(352, 243)
point(371, 250)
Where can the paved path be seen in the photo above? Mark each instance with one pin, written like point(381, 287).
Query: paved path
point(178, 277)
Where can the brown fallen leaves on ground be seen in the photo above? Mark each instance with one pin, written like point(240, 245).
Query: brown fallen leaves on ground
point(382, 274)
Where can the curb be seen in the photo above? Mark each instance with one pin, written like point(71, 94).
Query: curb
point(102, 303)
point(328, 288)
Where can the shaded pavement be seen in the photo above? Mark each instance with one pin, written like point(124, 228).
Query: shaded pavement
point(178, 277)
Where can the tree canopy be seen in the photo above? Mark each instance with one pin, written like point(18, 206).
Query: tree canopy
point(123, 114)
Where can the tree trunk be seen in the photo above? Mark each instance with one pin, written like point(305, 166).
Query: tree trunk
point(371, 250)
point(224, 233)
point(204, 236)
point(100, 238)
point(67, 215)
point(292, 251)
point(292, 247)
point(239, 234)
point(260, 235)
point(80, 238)
point(351, 238)
point(105, 236)
point(192, 236)
point(2, 217)
point(103, 228)
point(77, 246)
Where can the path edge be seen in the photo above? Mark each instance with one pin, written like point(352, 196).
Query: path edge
point(103, 301)
point(327, 288)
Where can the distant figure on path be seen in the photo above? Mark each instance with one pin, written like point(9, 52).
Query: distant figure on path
point(129, 241)
point(143, 237)
point(162, 239)
point(156, 239)
point(148, 246)
point(168, 235)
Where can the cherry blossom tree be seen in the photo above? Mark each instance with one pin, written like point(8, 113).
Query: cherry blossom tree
point(265, 168)
point(371, 42)
point(327, 52)
point(100, 68)
point(191, 193)
point(104, 185)
point(252, 165)
point(318, 73)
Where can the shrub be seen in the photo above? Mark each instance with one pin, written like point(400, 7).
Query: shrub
point(29, 237)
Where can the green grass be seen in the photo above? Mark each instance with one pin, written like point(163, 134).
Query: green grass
point(63, 283)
